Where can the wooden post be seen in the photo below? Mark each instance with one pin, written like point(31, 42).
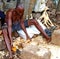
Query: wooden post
point(31, 6)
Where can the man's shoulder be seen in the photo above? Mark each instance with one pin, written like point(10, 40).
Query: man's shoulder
point(10, 10)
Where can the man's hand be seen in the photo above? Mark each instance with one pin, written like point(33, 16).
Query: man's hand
point(48, 40)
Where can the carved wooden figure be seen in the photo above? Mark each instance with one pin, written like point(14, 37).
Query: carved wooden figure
point(46, 20)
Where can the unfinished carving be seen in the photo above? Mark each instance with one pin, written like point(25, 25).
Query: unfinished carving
point(46, 20)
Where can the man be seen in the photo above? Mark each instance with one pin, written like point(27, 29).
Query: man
point(14, 21)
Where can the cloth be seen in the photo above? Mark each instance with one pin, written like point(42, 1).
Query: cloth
point(31, 30)
point(17, 26)
point(48, 32)
point(40, 5)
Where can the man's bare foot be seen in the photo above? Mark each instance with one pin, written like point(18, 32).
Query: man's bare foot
point(11, 56)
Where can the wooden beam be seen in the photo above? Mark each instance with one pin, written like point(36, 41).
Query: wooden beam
point(31, 6)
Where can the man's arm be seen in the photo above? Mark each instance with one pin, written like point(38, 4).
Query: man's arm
point(24, 28)
point(9, 22)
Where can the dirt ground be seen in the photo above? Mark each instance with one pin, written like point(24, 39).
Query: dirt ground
point(38, 40)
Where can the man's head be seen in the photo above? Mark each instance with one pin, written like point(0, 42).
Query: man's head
point(20, 10)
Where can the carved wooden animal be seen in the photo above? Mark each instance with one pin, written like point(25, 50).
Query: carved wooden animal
point(46, 20)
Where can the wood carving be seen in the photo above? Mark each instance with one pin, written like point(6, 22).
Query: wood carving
point(46, 20)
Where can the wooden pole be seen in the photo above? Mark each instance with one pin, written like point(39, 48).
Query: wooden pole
point(31, 6)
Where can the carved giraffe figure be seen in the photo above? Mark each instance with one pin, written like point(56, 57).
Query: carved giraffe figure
point(46, 20)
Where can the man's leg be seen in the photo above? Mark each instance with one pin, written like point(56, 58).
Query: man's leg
point(34, 22)
point(5, 35)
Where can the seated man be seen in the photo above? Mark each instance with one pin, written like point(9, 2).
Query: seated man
point(14, 21)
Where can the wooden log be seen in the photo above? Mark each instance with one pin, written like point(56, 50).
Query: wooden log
point(34, 52)
point(56, 37)
point(31, 6)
